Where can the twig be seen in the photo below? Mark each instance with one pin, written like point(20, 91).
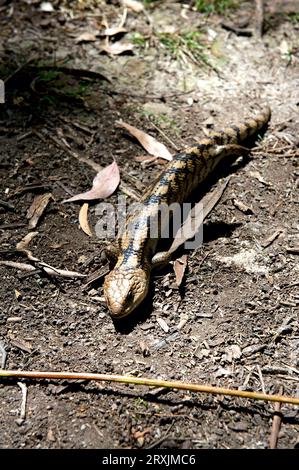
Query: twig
point(49, 270)
point(148, 382)
point(162, 439)
point(6, 205)
point(3, 355)
point(165, 136)
point(24, 401)
point(259, 18)
point(276, 423)
point(261, 378)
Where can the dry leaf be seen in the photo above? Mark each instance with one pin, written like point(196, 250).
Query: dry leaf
point(20, 344)
point(104, 184)
point(242, 207)
point(179, 267)
point(23, 244)
point(183, 320)
point(85, 37)
point(47, 7)
point(18, 294)
point(150, 144)
point(271, 238)
point(137, 434)
point(113, 31)
point(83, 219)
point(259, 177)
point(163, 324)
point(197, 215)
point(133, 5)
point(56, 246)
point(37, 208)
point(117, 48)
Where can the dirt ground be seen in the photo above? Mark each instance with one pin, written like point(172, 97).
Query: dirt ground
point(234, 321)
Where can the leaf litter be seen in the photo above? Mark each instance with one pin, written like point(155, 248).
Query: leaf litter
point(149, 143)
point(104, 184)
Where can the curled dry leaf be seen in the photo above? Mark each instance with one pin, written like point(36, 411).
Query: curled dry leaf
point(113, 31)
point(104, 184)
point(37, 208)
point(148, 142)
point(133, 5)
point(86, 37)
point(23, 244)
point(117, 48)
point(179, 267)
point(83, 219)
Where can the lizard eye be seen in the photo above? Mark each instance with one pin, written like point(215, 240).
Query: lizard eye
point(130, 296)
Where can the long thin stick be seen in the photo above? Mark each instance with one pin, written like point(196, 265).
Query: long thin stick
point(150, 382)
point(276, 423)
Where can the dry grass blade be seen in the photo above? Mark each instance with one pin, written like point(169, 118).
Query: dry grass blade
point(148, 382)
point(83, 219)
point(104, 184)
point(151, 145)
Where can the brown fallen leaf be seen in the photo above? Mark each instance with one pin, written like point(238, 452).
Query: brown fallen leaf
point(133, 5)
point(113, 31)
point(37, 208)
point(151, 145)
point(197, 215)
point(104, 184)
point(23, 244)
point(85, 37)
point(117, 48)
point(56, 246)
point(242, 207)
point(20, 344)
point(258, 176)
point(272, 237)
point(179, 267)
point(83, 219)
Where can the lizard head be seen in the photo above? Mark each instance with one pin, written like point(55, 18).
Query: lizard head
point(125, 289)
